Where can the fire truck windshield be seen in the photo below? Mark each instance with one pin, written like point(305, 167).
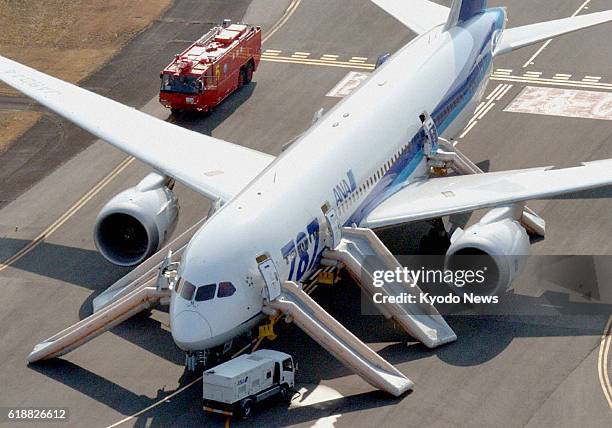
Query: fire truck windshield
point(180, 84)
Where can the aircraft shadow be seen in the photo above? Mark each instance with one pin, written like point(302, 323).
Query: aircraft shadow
point(87, 268)
point(78, 266)
point(101, 389)
point(481, 338)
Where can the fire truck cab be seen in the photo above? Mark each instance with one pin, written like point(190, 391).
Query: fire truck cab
point(213, 67)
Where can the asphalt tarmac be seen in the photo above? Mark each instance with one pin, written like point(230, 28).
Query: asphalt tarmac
point(511, 371)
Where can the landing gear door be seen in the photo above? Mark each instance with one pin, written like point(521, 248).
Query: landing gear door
point(331, 218)
point(267, 268)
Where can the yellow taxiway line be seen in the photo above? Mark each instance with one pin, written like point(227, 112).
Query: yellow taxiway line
point(502, 77)
point(325, 62)
point(67, 215)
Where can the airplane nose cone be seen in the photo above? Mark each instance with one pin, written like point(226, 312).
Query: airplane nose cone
point(190, 330)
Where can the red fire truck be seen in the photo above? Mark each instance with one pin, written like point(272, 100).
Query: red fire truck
point(209, 70)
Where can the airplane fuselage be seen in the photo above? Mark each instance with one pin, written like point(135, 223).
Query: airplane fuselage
point(367, 147)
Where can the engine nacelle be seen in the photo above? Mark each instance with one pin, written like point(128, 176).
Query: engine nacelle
point(498, 244)
point(135, 224)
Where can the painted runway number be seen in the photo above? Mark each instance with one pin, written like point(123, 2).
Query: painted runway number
point(348, 84)
point(563, 102)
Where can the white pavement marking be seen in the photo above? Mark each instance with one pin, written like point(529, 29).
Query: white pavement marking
point(591, 79)
point(348, 84)
point(503, 71)
point(495, 91)
point(479, 108)
point(468, 129)
point(551, 82)
point(602, 362)
point(531, 60)
point(563, 102)
point(272, 52)
point(504, 92)
point(484, 113)
point(485, 107)
point(561, 76)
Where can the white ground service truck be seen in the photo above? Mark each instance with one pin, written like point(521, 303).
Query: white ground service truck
point(234, 387)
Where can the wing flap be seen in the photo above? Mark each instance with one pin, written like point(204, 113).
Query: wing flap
point(443, 196)
point(516, 38)
point(418, 15)
point(213, 167)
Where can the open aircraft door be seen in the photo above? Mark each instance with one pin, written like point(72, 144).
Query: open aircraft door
point(331, 218)
point(270, 275)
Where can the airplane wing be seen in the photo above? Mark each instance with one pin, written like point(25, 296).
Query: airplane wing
point(215, 168)
point(418, 15)
point(437, 197)
point(516, 38)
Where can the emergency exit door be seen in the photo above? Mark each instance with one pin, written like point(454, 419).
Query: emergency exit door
point(268, 271)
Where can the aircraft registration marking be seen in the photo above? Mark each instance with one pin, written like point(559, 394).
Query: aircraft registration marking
point(563, 102)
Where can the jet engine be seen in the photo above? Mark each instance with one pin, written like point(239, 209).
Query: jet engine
point(496, 247)
point(135, 223)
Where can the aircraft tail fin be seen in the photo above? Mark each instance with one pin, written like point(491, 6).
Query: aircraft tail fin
point(418, 15)
point(463, 10)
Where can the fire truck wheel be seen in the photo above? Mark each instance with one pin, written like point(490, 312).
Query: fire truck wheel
point(249, 73)
point(176, 111)
point(242, 78)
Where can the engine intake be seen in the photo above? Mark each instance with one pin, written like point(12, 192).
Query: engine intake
point(497, 246)
point(135, 223)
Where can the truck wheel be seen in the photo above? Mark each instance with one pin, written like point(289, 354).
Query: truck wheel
point(241, 78)
point(246, 408)
point(248, 73)
point(284, 392)
point(176, 111)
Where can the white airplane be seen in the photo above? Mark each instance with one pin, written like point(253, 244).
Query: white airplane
point(366, 162)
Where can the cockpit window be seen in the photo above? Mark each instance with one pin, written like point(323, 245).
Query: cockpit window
point(226, 289)
point(205, 292)
point(187, 290)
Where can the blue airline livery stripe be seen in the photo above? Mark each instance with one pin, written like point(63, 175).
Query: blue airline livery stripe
point(447, 111)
